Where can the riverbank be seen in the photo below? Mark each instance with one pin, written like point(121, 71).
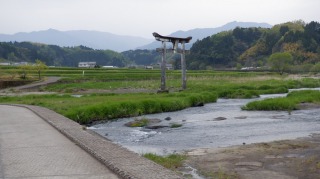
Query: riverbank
point(286, 159)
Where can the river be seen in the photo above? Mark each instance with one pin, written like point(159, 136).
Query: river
point(219, 124)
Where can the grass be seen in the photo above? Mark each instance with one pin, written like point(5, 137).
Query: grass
point(219, 174)
point(172, 161)
point(203, 87)
point(94, 107)
point(288, 103)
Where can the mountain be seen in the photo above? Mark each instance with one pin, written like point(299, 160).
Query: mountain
point(200, 33)
point(251, 47)
point(92, 39)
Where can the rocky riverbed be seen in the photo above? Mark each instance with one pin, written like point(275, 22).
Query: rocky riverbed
point(285, 159)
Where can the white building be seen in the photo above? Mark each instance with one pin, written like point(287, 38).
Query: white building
point(5, 64)
point(87, 64)
point(109, 67)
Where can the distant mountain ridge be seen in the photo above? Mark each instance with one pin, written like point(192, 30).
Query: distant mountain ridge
point(92, 39)
point(200, 33)
point(119, 43)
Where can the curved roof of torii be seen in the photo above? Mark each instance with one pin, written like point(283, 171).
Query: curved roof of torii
point(171, 39)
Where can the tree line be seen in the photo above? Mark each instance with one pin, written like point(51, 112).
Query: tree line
point(53, 55)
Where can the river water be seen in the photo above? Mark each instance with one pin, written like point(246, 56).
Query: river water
point(202, 127)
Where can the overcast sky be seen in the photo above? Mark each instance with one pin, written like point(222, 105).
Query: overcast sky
point(142, 17)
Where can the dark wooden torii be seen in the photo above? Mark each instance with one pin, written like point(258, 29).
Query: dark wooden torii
point(175, 43)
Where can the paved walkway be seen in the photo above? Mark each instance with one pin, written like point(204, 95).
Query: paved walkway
point(32, 147)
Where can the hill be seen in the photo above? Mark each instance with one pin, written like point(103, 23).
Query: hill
point(251, 47)
point(92, 39)
point(54, 55)
point(200, 33)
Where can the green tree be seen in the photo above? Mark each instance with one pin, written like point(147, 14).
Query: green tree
point(39, 66)
point(24, 69)
point(280, 62)
point(239, 66)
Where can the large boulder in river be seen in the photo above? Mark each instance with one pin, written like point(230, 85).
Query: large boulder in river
point(142, 122)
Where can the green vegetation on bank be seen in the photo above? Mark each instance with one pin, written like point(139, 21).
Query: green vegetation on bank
point(289, 103)
point(172, 161)
point(93, 107)
point(96, 104)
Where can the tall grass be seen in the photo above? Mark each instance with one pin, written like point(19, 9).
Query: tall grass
point(288, 103)
point(140, 105)
point(89, 108)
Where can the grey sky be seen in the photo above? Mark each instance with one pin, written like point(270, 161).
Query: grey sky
point(142, 17)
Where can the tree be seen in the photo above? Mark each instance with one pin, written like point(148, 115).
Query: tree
point(39, 66)
point(24, 68)
point(280, 62)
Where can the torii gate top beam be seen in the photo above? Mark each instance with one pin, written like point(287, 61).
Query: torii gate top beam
point(171, 39)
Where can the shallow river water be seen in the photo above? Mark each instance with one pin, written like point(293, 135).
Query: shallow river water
point(201, 127)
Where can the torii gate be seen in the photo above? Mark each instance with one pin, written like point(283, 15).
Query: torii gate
point(175, 42)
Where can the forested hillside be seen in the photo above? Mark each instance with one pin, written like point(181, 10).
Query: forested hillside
point(54, 55)
point(241, 47)
point(143, 57)
point(251, 47)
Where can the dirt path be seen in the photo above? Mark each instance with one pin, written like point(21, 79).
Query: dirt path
point(47, 81)
point(287, 159)
point(13, 91)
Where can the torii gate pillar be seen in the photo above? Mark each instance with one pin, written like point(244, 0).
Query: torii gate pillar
point(163, 68)
point(183, 67)
point(175, 41)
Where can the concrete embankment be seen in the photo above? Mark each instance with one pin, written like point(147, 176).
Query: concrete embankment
point(121, 161)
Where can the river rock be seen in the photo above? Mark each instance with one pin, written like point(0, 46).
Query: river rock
point(241, 117)
point(219, 118)
point(155, 127)
point(199, 104)
point(167, 118)
point(251, 164)
point(149, 123)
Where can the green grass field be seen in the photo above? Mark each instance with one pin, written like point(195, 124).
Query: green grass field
point(203, 87)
